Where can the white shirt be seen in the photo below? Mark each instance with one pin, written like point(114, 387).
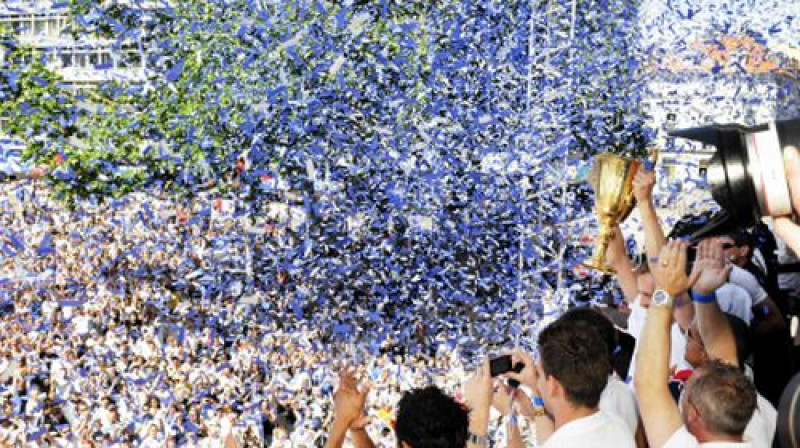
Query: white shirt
point(596, 431)
point(677, 348)
point(761, 429)
point(734, 299)
point(683, 439)
point(619, 401)
point(748, 281)
point(636, 319)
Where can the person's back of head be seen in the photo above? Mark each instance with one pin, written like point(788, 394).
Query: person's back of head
point(599, 322)
point(429, 418)
point(719, 401)
point(575, 354)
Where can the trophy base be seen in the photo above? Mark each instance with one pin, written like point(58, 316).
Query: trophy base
point(602, 267)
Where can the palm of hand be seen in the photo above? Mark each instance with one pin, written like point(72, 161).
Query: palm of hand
point(711, 275)
point(673, 280)
point(349, 401)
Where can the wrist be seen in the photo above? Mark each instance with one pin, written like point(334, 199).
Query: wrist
point(341, 423)
point(701, 295)
point(479, 422)
point(480, 440)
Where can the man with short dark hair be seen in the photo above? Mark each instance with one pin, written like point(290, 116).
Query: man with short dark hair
point(568, 380)
point(426, 417)
point(617, 399)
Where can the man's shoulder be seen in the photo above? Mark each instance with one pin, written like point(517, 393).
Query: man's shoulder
point(681, 438)
point(598, 430)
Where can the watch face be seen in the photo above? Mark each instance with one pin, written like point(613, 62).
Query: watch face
point(660, 297)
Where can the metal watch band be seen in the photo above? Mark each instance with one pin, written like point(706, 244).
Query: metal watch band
point(482, 441)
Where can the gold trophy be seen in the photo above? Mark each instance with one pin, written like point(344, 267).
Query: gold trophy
point(612, 180)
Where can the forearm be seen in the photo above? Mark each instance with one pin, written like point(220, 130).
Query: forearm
point(683, 314)
point(479, 422)
point(361, 438)
point(660, 415)
point(626, 278)
point(336, 435)
point(652, 361)
point(654, 238)
point(715, 332)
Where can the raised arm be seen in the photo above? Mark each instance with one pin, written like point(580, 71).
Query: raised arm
point(659, 412)
point(478, 397)
point(617, 258)
point(767, 315)
point(712, 272)
point(348, 410)
point(643, 184)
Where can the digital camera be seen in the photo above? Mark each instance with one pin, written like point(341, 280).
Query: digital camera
point(746, 173)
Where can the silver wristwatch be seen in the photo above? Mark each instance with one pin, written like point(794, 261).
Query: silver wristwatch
point(662, 298)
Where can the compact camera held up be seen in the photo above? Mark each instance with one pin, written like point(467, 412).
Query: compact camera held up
point(746, 173)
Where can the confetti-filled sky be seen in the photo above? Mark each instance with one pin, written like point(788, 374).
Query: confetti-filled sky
point(425, 157)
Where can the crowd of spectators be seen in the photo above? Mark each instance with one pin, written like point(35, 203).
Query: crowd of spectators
point(99, 351)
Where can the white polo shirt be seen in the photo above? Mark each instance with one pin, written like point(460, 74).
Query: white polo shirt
point(636, 324)
point(734, 299)
point(619, 401)
point(741, 277)
point(596, 431)
point(761, 429)
point(682, 438)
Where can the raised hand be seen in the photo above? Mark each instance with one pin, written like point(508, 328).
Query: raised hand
point(643, 183)
point(527, 376)
point(478, 397)
point(669, 270)
point(350, 399)
point(478, 389)
point(502, 398)
point(710, 267)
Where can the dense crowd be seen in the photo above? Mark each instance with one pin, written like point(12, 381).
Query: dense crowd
point(115, 333)
point(99, 347)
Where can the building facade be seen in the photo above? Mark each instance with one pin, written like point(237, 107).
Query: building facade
point(46, 27)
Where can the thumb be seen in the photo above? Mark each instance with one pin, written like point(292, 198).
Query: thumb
point(365, 388)
point(361, 422)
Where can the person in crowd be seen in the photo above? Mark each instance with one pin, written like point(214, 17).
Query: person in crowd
point(719, 400)
point(617, 398)
point(568, 380)
point(426, 418)
point(772, 355)
point(638, 285)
